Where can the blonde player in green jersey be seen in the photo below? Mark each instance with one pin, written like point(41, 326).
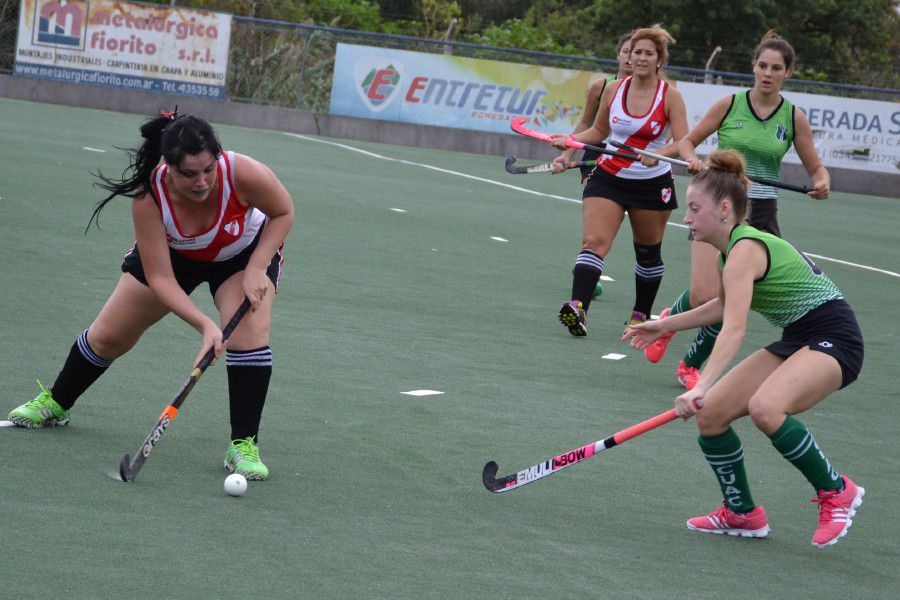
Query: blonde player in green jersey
point(820, 351)
point(762, 125)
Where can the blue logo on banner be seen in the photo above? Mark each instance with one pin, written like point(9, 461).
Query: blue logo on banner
point(61, 24)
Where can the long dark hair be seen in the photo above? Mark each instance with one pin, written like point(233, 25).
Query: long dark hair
point(169, 136)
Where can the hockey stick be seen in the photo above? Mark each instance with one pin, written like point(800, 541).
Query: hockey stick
point(128, 468)
point(780, 184)
point(518, 125)
point(557, 463)
point(674, 161)
point(515, 169)
point(512, 167)
point(760, 180)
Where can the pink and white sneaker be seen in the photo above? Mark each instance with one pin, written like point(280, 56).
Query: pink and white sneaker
point(836, 511)
point(657, 350)
point(687, 376)
point(754, 524)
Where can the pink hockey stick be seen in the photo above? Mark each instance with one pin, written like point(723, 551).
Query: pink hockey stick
point(518, 125)
point(557, 463)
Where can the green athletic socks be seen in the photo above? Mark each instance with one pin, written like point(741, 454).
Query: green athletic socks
point(683, 304)
point(725, 455)
point(794, 441)
point(702, 345)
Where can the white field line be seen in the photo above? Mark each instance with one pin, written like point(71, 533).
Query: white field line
point(535, 193)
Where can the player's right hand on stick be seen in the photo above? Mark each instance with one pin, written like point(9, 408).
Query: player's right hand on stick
point(689, 403)
point(212, 338)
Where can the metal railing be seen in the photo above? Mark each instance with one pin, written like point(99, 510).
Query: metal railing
point(291, 64)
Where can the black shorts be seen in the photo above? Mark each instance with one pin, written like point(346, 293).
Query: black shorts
point(657, 193)
point(830, 328)
point(764, 215)
point(191, 273)
point(586, 156)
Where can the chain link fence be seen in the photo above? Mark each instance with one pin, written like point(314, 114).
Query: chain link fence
point(291, 65)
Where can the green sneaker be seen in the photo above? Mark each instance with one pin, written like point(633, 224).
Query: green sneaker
point(243, 457)
point(43, 411)
point(598, 291)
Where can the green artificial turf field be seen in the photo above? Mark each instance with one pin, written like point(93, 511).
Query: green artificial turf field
point(376, 494)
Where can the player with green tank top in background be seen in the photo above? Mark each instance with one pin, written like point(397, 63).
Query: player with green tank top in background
point(762, 125)
point(820, 351)
point(592, 104)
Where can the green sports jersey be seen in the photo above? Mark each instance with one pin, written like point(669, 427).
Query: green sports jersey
point(763, 142)
point(792, 285)
point(606, 82)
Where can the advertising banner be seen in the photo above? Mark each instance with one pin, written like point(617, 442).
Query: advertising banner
point(484, 95)
point(452, 91)
point(124, 45)
point(848, 132)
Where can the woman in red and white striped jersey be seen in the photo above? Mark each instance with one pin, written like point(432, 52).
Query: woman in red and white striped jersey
point(643, 111)
point(203, 215)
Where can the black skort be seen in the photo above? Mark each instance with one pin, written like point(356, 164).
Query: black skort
point(191, 273)
point(764, 215)
point(831, 329)
point(657, 193)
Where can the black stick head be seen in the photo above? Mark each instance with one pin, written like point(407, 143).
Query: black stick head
point(510, 161)
point(125, 468)
point(489, 477)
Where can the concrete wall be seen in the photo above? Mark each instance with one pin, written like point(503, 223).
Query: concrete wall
point(296, 121)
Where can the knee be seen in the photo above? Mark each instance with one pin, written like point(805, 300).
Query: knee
point(252, 334)
point(648, 255)
point(595, 242)
point(711, 422)
point(699, 297)
point(765, 416)
point(106, 343)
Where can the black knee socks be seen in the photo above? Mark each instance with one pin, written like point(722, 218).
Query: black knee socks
point(81, 369)
point(249, 372)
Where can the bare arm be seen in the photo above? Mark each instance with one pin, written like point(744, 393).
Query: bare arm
point(150, 234)
point(151, 240)
point(646, 333)
point(803, 143)
point(747, 262)
point(676, 113)
point(707, 126)
point(591, 106)
point(599, 131)
point(258, 186)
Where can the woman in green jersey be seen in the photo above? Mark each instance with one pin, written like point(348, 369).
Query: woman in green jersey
point(762, 125)
point(820, 351)
point(592, 104)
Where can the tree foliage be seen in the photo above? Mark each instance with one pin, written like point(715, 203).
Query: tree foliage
point(836, 40)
